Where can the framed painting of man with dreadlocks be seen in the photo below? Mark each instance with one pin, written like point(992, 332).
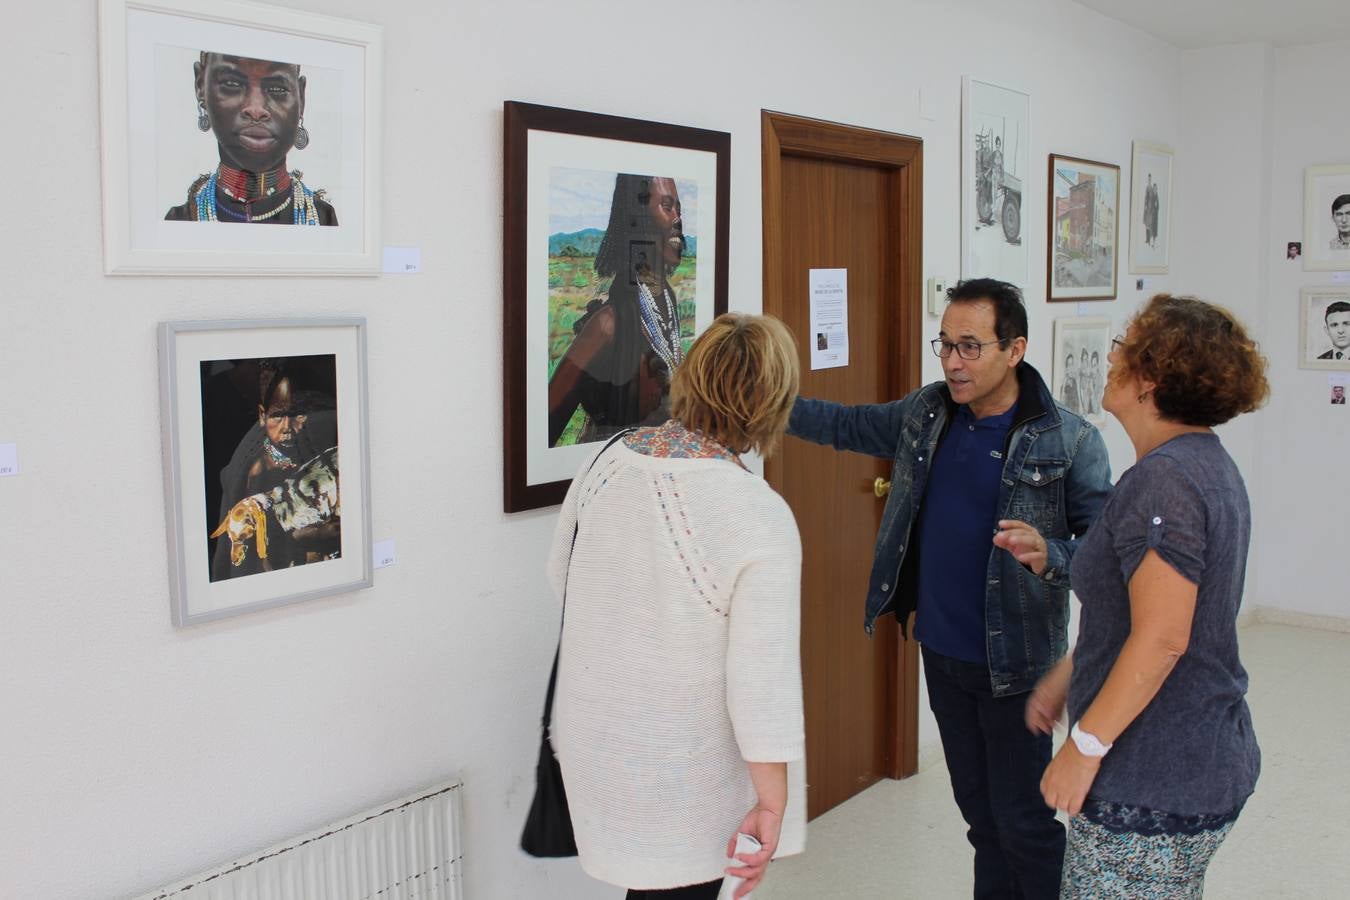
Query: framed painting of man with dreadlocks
point(223, 112)
point(615, 258)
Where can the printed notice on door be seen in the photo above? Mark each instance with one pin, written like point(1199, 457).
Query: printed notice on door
point(829, 318)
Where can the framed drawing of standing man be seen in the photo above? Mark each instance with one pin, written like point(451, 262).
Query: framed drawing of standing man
point(1326, 218)
point(227, 113)
point(615, 257)
point(995, 168)
point(1150, 208)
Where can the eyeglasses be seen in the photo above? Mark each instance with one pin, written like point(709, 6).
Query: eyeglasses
point(1117, 342)
point(966, 349)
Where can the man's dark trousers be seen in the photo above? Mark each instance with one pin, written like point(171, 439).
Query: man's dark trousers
point(996, 764)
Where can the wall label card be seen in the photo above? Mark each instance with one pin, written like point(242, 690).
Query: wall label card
point(402, 260)
point(9, 459)
point(384, 554)
point(829, 318)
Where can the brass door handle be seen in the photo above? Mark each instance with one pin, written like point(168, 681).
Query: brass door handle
point(881, 487)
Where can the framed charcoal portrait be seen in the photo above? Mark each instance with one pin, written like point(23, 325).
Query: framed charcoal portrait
point(615, 258)
point(1150, 208)
point(222, 113)
point(1078, 373)
point(1083, 218)
point(1326, 218)
point(1324, 335)
point(266, 463)
point(995, 173)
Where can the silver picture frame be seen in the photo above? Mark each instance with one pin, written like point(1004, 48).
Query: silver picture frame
point(315, 507)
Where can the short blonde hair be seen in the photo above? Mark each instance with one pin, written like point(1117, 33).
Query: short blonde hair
point(739, 382)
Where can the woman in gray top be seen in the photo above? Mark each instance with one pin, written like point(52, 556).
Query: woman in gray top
point(1162, 755)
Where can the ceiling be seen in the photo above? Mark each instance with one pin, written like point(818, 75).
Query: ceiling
point(1208, 23)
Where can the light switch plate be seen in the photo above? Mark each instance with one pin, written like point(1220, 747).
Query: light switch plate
point(937, 294)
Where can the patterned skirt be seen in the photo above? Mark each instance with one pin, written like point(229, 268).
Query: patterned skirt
point(1121, 852)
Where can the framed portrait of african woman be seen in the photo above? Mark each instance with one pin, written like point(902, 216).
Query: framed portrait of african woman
point(615, 254)
point(221, 113)
point(266, 463)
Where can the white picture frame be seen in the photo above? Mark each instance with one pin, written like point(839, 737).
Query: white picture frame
point(284, 533)
point(156, 152)
point(1321, 326)
point(995, 199)
point(1323, 187)
point(1151, 173)
point(1087, 339)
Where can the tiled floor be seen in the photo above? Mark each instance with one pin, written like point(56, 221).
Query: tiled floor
point(905, 839)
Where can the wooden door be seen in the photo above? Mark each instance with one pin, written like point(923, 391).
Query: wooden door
point(841, 197)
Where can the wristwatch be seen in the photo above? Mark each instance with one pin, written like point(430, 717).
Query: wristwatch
point(1088, 744)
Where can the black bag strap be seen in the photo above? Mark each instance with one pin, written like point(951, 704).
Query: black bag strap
point(553, 675)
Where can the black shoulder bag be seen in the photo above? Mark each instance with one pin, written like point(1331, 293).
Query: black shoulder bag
point(548, 827)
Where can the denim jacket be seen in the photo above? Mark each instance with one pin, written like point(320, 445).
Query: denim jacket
point(1056, 475)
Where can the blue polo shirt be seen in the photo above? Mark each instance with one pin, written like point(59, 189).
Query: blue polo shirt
point(957, 522)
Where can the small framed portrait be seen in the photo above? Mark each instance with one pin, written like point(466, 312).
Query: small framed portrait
point(615, 258)
point(1293, 250)
point(1083, 219)
point(221, 113)
point(1325, 334)
point(1326, 218)
point(1078, 373)
point(1150, 208)
point(266, 463)
point(995, 176)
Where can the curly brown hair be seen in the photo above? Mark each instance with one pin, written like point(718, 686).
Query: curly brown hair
point(1205, 367)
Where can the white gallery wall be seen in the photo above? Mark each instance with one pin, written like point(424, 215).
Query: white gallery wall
point(132, 753)
point(1253, 118)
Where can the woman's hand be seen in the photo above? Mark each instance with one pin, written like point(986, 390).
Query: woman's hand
point(1024, 543)
point(1046, 703)
point(1068, 779)
point(764, 824)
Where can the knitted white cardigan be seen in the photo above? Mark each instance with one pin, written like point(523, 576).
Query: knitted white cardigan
point(680, 661)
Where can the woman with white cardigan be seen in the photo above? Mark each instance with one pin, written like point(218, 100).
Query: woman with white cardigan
point(677, 719)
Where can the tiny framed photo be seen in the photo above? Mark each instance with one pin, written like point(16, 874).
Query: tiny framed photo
point(1324, 338)
point(1150, 208)
point(1337, 385)
point(1293, 250)
point(1083, 219)
point(1326, 218)
point(266, 463)
point(223, 113)
point(1078, 372)
point(615, 251)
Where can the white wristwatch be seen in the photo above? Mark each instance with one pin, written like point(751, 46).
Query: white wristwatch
point(1088, 744)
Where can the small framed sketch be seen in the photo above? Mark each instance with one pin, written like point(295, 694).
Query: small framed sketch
point(221, 113)
point(1324, 338)
point(1150, 208)
point(1326, 218)
point(1083, 219)
point(615, 257)
point(995, 174)
point(266, 463)
point(1078, 374)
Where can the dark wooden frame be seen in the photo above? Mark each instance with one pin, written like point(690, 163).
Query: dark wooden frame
point(519, 120)
point(782, 134)
point(1050, 233)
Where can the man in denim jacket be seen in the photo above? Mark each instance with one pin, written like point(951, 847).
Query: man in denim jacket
point(992, 484)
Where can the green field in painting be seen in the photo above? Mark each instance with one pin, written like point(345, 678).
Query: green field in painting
point(572, 284)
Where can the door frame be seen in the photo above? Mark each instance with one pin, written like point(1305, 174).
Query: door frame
point(787, 135)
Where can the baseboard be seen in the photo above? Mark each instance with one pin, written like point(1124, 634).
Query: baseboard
point(1270, 615)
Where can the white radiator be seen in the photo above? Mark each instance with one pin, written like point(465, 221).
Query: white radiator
point(408, 849)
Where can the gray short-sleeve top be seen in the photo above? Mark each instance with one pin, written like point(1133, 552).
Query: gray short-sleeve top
point(1192, 750)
